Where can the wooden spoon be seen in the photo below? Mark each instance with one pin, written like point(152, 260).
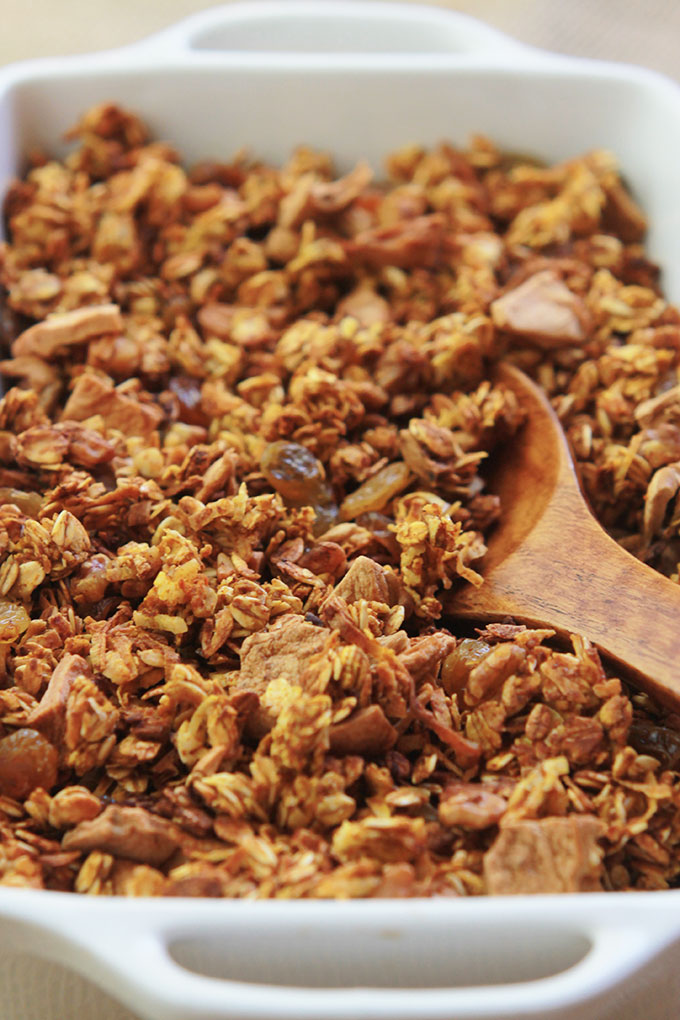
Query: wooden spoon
point(550, 564)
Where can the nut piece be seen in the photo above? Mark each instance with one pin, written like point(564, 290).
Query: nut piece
point(368, 580)
point(49, 715)
point(424, 653)
point(547, 855)
point(129, 832)
point(366, 732)
point(282, 652)
point(67, 328)
point(470, 805)
point(94, 396)
point(544, 311)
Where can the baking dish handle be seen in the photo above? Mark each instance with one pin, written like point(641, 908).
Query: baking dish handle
point(308, 30)
point(132, 959)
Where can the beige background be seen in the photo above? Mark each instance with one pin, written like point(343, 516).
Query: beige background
point(640, 31)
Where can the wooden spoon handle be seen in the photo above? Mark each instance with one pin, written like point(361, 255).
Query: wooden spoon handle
point(595, 588)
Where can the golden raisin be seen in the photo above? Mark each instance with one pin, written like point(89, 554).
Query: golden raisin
point(188, 393)
point(29, 503)
point(13, 621)
point(293, 470)
point(376, 492)
point(27, 760)
point(299, 478)
point(459, 663)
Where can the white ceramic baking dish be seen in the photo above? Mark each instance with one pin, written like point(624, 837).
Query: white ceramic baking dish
point(361, 80)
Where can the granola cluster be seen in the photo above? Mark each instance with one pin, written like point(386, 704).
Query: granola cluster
point(242, 460)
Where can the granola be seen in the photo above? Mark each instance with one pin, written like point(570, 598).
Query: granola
point(241, 460)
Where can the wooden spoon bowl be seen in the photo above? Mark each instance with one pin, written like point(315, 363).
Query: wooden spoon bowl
point(550, 564)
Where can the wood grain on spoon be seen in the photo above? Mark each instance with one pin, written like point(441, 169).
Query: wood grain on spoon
point(550, 564)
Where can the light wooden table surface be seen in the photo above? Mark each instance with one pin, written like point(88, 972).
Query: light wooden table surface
point(645, 32)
